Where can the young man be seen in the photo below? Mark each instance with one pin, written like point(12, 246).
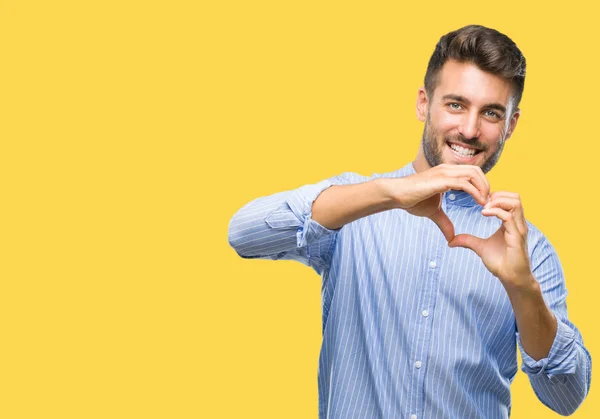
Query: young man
point(419, 322)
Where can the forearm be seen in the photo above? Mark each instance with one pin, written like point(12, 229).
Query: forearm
point(560, 374)
point(554, 358)
point(535, 321)
point(342, 204)
point(275, 225)
point(557, 366)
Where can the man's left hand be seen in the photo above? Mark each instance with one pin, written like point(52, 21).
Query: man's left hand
point(505, 252)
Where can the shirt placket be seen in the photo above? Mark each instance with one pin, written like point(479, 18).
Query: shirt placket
point(426, 308)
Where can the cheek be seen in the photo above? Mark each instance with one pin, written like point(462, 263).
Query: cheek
point(445, 123)
point(492, 135)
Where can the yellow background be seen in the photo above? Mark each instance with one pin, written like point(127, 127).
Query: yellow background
point(131, 132)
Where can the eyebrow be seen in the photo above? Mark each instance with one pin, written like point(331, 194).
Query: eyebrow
point(464, 100)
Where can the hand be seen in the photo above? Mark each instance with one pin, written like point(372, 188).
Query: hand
point(505, 252)
point(421, 194)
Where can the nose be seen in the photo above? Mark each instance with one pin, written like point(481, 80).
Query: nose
point(469, 125)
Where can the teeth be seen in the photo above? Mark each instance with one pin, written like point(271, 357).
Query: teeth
point(462, 151)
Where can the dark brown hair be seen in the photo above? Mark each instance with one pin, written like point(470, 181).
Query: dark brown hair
point(487, 48)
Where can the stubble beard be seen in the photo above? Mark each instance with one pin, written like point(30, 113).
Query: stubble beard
point(433, 152)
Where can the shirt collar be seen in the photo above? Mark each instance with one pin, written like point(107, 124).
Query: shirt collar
point(452, 197)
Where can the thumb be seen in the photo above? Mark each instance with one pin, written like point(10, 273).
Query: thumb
point(468, 241)
point(444, 223)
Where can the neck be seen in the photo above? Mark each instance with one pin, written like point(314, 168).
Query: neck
point(420, 163)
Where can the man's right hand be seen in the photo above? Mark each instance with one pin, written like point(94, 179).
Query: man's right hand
point(421, 194)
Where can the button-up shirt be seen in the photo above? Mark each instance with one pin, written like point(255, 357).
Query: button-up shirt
point(411, 327)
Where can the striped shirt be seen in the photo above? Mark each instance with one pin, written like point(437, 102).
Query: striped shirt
point(412, 328)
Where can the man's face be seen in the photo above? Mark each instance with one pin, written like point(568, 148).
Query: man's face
point(468, 119)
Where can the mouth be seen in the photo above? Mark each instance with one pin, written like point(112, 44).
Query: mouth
point(463, 152)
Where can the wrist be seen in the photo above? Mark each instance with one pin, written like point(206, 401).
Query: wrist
point(524, 288)
point(388, 190)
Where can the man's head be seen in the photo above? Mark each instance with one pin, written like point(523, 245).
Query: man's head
point(473, 86)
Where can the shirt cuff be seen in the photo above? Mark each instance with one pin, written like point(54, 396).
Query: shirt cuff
point(300, 203)
point(561, 360)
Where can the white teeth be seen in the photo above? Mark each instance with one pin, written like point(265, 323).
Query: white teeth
point(462, 151)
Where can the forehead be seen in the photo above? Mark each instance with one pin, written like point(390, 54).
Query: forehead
point(478, 86)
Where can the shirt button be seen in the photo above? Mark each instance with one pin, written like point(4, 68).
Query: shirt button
point(413, 416)
point(432, 264)
point(425, 313)
point(452, 197)
point(418, 364)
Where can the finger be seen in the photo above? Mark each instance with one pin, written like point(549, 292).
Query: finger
point(508, 219)
point(475, 176)
point(464, 184)
point(482, 176)
point(505, 194)
point(512, 205)
point(444, 223)
point(468, 241)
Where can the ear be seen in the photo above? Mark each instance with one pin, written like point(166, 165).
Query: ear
point(513, 123)
point(422, 104)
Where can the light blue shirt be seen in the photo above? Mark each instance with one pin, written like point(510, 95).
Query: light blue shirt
point(412, 328)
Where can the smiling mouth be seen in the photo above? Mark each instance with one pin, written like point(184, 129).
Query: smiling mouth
point(463, 151)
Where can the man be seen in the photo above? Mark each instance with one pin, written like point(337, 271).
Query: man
point(418, 321)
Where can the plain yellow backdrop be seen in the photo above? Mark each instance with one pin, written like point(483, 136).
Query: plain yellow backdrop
point(132, 131)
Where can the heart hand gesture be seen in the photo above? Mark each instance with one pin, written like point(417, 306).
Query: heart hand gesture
point(505, 252)
point(421, 194)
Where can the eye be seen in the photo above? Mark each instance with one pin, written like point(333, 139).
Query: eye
point(454, 106)
point(493, 115)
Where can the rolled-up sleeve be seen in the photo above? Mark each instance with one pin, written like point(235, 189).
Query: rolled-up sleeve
point(280, 226)
point(561, 381)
